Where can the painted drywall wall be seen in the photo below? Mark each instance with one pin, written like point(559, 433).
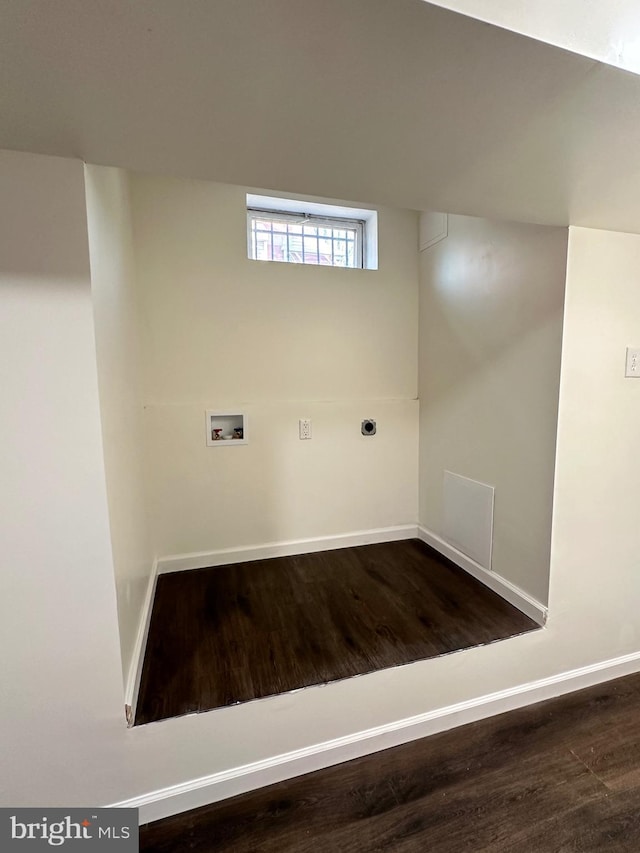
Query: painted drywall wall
point(596, 536)
point(277, 488)
point(601, 29)
point(491, 305)
point(59, 655)
point(62, 732)
point(280, 342)
point(119, 376)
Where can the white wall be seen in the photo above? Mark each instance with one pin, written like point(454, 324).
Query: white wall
point(281, 342)
point(596, 541)
point(59, 657)
point(491, 303)
point(64, 740)
point(119, 378)
point(606, 30)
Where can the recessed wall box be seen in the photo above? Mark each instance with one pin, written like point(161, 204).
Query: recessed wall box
point(226, 429)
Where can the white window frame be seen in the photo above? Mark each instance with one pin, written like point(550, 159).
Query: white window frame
point(319, 214)
point(354, 225)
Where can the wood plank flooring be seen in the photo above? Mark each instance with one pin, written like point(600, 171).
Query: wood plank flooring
point(233, 633)
point(563, 775)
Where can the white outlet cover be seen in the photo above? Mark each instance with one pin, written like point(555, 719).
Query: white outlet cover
point(304, 428)
point(632, 369)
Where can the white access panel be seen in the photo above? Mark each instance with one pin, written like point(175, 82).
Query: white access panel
point(467, 517)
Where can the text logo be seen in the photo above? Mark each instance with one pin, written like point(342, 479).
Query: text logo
point(69, 829)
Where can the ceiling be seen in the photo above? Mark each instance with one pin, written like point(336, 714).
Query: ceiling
point(384, 101)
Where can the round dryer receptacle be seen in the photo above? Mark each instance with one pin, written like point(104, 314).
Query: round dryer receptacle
point(368, 427)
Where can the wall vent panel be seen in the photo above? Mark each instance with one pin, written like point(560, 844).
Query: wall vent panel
point(468, 517)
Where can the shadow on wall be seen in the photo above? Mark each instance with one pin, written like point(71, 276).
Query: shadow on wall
point(491, 314)
point(46, 254)
point(491, 293)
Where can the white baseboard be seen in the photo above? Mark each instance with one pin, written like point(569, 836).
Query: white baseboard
point(238, 780)
point(226, 556)
point(507, 590)
point(137, 659)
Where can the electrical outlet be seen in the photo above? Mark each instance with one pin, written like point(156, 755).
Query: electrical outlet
point(304, 427)
point(633, 362)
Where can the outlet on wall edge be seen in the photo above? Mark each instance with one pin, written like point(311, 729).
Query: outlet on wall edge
point(632, 368)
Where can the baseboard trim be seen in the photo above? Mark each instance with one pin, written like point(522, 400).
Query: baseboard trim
point(238, 780)
point(137, 659)
point(226, 556)
point(507, 590)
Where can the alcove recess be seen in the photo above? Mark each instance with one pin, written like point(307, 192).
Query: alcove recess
point(226, 429)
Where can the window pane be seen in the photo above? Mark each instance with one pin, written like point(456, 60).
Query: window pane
point(340, 253)
point(310, 250)
point(279, 247)
point(305, 241)
point(263, 251)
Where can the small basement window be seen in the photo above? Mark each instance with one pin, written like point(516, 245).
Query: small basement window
point(301, 238)
point(298, 232)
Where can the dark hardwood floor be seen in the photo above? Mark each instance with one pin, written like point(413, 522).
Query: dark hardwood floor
point(229, 634)
point(563, 775)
